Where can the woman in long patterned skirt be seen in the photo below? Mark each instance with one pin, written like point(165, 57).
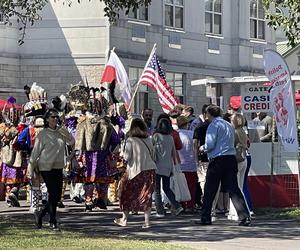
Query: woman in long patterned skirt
point(137, 184)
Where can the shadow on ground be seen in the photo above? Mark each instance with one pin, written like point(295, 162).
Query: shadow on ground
point(99, 223)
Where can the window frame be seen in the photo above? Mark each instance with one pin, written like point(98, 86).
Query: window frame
point(257, 20)
point(138, 15)
point(172, 84)
point(138, 106)
point(213, 13)
point(174, 6)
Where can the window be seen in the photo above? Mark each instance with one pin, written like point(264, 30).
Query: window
point(175, 81)
point(174, 13)
point(141, 100)
point(257, 20)
point(139, 31)
point(213, 16)
point(213, 44)
point(140, 14)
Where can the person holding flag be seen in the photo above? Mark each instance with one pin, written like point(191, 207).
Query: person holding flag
point(115, 74)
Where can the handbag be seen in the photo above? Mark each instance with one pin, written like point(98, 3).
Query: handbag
point(178, 185)
point(240, 153)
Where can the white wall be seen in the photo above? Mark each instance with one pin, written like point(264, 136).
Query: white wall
point(79, 31)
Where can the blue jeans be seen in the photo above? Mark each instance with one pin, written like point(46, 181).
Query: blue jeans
point(169, 193)
point(246, 188)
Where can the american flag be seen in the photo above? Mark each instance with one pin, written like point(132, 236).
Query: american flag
point(154, 76)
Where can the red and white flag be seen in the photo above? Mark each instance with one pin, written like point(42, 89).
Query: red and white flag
point(154, 76)
point(114, 70)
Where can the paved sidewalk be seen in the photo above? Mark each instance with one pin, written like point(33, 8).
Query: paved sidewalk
point(222, 235)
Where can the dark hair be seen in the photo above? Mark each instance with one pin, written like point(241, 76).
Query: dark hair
point(164, 127)
point(174, 113)
point(161, 116)
point(189, 109)
point(48, 113)
point(147, 109)
point(214, 110)
point(138, 128)
point(204, 107)
point(227, 117)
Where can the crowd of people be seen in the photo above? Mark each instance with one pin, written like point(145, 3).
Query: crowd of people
point(106, 154)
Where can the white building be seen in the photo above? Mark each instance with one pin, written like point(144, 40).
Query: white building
point(195, 39)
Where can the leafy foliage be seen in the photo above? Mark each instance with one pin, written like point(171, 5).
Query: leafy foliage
point(28, 11)
point(24, 11)
point(289, 22)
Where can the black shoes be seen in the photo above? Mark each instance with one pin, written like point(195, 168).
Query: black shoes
point(76, 199)
point(245, 222)
point(54, 227)
point(60, 204)
point(12, 200)
point(203, 222)
point(100, 203)
point(89, 207)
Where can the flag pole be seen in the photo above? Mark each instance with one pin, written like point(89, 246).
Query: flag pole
point(138, 83)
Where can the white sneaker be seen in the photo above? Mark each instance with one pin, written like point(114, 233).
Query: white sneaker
point(178, 211)
point(160, 215)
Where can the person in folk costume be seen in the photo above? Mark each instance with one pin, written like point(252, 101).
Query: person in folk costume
point(79, 96)
point(34, 110)
point(14, 164)
point(25, 143)
point(76, 188)
point(118, 119)
point(95, 139)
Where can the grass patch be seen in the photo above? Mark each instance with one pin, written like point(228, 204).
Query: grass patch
point(279, 213)
point(15, 234)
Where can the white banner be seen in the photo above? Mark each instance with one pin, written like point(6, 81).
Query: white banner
point(282, 99)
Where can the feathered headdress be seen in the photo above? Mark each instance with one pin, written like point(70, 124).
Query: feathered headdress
point(37, 103)
point(59, 103)
point(79, 95)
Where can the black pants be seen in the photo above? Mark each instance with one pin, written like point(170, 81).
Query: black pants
point(224, 169)
point(54, 181)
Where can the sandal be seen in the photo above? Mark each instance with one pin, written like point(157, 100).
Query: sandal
point(119, 222)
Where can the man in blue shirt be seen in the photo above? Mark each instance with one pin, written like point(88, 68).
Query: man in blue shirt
point(219, 145)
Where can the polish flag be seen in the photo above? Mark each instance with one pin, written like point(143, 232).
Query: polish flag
point(114, 70)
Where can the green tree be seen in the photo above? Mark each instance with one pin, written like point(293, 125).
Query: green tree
point(28, 11)
point(289, 21)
